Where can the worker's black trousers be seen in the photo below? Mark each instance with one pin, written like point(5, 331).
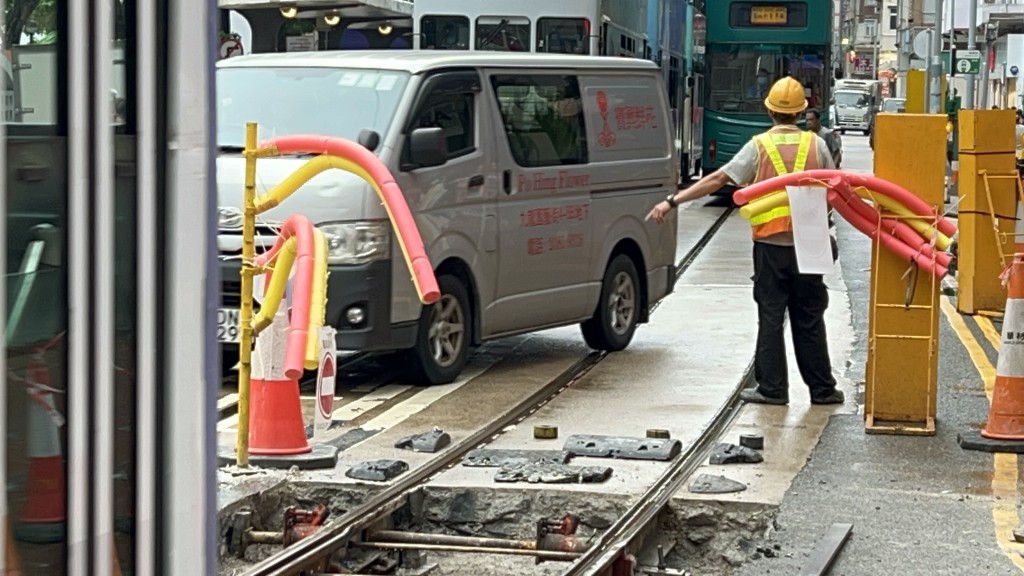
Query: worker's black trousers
point(778, 287)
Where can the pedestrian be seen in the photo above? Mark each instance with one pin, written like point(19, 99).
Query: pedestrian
point(813, 118)
point(778, 285)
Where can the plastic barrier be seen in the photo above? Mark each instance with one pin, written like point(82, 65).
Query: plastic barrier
point(350, 156)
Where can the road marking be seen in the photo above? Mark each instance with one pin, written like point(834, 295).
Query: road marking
point(1004, 477)
point(375, 398)
point(989, 330)
point(227, 402)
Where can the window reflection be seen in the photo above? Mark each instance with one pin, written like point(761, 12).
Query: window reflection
point(31, 74)
point(741, 75)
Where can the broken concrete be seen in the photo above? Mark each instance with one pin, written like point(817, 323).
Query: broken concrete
point(551, 473)
point(378, 470)
point(711, 484)
point(490, 457)
point(622, 447)
point(725, 453)
point(429, 442)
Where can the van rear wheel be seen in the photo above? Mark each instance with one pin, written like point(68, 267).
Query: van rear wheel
point(612, 326)
point(442, 338)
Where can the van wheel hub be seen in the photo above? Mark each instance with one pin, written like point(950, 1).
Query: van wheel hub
point(622, 302)
point(447, 329)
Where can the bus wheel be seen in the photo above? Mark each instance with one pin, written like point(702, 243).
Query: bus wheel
point(612, 326)
point(442, 339)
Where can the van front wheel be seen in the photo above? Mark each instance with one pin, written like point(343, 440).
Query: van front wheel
point(442, 339)
point(613, 323)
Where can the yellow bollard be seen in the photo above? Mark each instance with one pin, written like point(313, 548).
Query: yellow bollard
point(248, 255)
point(903, 333)
point(988, 208)
point(916, 102)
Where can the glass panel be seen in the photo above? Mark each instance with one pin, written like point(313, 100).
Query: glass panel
point(738, 77)
point(33, 77)
point(498, 34)
point(444, 32)
point(123, 121)
point(453, 113)
point(563, 35)
point(329, 101)
point(543, 118)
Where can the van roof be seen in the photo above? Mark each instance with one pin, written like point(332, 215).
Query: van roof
point(416, 61)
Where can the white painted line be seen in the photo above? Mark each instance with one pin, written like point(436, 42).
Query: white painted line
point(227, 402)
point(352, 410)
point(228, 423)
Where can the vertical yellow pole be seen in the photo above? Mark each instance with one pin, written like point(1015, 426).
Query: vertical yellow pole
point(248, 255)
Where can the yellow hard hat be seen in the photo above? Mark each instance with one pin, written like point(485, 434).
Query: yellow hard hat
point(786, 97)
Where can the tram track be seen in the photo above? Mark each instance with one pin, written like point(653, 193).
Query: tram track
point(312, 554)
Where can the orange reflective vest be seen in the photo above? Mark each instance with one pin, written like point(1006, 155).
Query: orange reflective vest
point(781, 152)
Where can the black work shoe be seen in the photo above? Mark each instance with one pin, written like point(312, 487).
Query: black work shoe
point(836, 397)
point(752, 395)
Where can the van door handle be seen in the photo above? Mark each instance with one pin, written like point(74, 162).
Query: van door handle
point(506, 181)
point(477, 180)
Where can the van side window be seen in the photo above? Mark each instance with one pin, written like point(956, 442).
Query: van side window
point(452, 110)
point(543, 117)
point(444, 32)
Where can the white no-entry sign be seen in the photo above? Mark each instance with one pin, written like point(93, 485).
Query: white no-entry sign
point(325, 381)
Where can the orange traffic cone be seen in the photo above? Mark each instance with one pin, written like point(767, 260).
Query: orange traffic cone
point(1004, 431)
point(12, 562)
point(42, 518)
point(276, 426)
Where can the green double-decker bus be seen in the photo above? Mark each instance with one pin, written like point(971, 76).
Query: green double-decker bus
point(750, 45)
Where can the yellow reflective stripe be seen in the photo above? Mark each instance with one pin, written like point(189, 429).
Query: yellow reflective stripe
point(773, 153)
point(765, 217)
point(786, 137)
point(801, 154)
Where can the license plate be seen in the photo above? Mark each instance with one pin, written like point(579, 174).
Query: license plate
point(768, 15)
point(228, 325)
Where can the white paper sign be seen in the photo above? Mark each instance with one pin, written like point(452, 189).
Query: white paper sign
point(325, 382)
point(809, 210)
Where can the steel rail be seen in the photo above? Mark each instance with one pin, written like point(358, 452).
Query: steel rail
point(309, 553)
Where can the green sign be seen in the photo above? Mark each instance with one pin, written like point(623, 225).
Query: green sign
point(966, 62)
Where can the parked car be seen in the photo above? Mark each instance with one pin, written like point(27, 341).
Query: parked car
point(892, 105)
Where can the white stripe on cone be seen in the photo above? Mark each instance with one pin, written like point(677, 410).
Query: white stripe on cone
point(269, 354)
point(43, 435)
point(1011, 353)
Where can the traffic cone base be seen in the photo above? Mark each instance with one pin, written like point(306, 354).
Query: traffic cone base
point(1005, 425)
point(43, 515)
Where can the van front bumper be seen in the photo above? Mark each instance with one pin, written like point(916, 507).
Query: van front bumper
point(366, 286)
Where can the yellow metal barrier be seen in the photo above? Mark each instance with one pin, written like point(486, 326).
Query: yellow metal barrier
point(988, 193)
point(903, 313)
point(917, 103)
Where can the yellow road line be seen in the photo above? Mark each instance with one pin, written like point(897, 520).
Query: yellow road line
point(989, 330)
point(1004, 477)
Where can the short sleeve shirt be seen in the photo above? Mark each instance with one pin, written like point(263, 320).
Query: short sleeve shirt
point(742, 169)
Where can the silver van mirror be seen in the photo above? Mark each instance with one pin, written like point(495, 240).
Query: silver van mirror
point(427, 148)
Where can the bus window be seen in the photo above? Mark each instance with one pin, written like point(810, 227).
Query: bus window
point(543, 116)
point(445, 32)
point(503, 34)
point(563, 35)
point(741, 75)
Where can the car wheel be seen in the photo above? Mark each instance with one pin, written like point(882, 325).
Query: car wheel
point(612, 326)
point(443, 335)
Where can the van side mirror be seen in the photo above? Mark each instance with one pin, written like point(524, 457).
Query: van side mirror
point(427, 147)
point(369, 139)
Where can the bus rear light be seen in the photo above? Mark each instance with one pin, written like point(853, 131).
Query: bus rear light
point(712, 148)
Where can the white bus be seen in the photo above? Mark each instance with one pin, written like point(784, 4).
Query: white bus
point(585, 27)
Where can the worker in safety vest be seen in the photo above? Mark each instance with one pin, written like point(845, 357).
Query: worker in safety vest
point(778, 285)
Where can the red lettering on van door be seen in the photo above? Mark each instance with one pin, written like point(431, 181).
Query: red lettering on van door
point(535, 246)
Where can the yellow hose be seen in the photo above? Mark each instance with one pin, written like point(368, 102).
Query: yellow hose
point(278, 283)
point(307, 172)
point(318, 300)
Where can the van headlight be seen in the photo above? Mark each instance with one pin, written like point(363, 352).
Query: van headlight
point(356, 242)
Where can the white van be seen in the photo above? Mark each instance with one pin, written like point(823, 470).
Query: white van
point(529, 176)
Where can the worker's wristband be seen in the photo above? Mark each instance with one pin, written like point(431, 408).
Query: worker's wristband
point(671, 199)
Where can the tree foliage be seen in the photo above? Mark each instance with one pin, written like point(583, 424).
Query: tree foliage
point(18, 13)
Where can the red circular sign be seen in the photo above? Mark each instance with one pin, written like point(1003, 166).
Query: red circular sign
point(326, 401)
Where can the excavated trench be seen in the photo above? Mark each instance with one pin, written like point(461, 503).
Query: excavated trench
point(700, 537)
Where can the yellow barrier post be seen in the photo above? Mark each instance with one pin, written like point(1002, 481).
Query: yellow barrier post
point(903, 313)
point(916, 102)
point(248, 255)
point(988, 208)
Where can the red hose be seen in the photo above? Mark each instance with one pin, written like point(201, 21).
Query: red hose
point(302, 229)
point(901, 230)
point(404, 223)
point(890, 242)
point(897, 193)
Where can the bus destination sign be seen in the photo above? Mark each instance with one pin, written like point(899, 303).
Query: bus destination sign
point(768, 15)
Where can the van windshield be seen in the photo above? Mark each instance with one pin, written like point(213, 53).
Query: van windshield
point(851, 99)
point(285, 101)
